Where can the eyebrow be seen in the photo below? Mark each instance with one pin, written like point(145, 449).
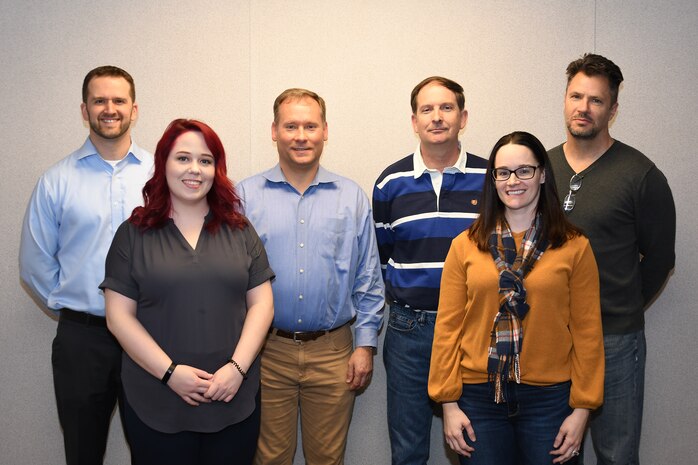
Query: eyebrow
point(186, 152)
point(102, 97)
point(579, 92)
point(520, 166)
point(438, 104)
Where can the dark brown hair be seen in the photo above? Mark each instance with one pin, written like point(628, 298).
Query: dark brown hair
point(597, 65)
point(555, 226)
point(111, 71)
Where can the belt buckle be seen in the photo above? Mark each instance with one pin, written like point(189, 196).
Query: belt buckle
point(297, 341)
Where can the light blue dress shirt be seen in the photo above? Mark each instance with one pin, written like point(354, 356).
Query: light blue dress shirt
point(72, 216)
point(322, 246)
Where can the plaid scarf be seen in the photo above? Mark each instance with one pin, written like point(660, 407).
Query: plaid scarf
point(507, 332)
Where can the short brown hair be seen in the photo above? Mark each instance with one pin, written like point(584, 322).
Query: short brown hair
point(597, 65)
point(111, 71)
point(453, 86)
point(298, 94)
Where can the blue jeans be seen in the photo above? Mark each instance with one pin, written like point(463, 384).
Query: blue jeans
point(519, 431)
point(616, 426)
point(406, 354)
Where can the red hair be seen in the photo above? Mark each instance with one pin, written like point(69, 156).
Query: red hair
point(223, 201)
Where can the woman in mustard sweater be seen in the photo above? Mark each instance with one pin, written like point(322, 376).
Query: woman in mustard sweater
point(518, 359)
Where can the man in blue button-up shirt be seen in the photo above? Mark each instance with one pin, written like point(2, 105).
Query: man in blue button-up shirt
point(318, 232)
point(71, 218)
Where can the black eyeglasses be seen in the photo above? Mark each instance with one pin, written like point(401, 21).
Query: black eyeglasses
point(522, 172)
point(571, 198)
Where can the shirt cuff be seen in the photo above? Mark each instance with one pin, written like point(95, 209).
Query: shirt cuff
point(365, 337)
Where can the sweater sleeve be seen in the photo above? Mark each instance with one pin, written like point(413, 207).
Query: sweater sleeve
point(656, 232)
point(587, 358)
point(384, 232)
point(445, 379)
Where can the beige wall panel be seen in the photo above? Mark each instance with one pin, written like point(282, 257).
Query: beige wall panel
point(225, 61)
point(655, 43)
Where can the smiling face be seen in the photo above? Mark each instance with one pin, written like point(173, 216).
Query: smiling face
point(519, 196)
point(190, 170)
point(109, 109)
point(437, 119)
point(588, 107)
point(300, 134)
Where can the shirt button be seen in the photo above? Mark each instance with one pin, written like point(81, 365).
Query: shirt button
point(302, 221)
point(300, 320)
point(301, 271)
point(300, 297)
point(301, 245)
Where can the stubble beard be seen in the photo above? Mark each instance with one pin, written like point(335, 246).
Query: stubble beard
point(123, 129)
point(584, 134)
point(110, 134)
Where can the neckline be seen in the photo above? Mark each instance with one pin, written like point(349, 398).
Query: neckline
point(593, 164)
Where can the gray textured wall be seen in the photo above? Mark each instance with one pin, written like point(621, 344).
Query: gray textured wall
point(225, 61)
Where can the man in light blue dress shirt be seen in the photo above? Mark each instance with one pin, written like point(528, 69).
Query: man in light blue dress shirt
point(69, 224)
point(318, 232)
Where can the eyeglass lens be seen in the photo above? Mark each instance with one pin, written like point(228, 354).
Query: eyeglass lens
point(522, 172)
point(571, 199)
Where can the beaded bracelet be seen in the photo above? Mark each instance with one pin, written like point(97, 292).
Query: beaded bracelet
point(239, 368)
point(168, 373)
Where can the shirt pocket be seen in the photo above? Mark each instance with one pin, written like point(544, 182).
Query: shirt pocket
point(332, 239)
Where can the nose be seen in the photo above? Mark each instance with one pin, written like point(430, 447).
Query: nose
point(300, 134)
point(513, 179)
point(436, 117)
point(194, 167)
point(584, 105)
point(109, 106)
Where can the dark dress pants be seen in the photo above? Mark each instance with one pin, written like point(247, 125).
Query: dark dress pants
point(86, 363)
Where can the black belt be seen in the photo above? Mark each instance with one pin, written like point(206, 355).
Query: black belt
point(303, 336)
point(86, 319)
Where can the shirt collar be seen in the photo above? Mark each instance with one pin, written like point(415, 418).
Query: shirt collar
point(89, 149)
point(321, 177)
point(420, 168)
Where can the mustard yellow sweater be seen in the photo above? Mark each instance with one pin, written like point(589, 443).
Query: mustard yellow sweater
point(562, 331)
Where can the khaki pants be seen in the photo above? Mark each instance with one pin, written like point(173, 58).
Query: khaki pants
point(310, 376)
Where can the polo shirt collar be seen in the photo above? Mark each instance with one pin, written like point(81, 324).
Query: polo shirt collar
point(420, 168)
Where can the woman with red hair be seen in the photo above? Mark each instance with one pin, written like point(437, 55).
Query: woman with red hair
point(188, 296)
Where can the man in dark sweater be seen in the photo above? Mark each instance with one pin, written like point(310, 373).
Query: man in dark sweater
point(623, 203)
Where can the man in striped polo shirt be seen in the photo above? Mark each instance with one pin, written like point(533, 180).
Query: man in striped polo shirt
point(420, 203)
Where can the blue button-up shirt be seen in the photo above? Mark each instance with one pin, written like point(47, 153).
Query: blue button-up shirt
point(322, 245)
point(72, 216)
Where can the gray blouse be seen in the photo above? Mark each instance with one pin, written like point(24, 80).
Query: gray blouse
point(192, 302)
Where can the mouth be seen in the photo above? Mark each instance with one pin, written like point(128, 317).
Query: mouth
point(516, 192)
point(300, 149)
point(191, 183)
point(110, 120)
point(582, 119)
